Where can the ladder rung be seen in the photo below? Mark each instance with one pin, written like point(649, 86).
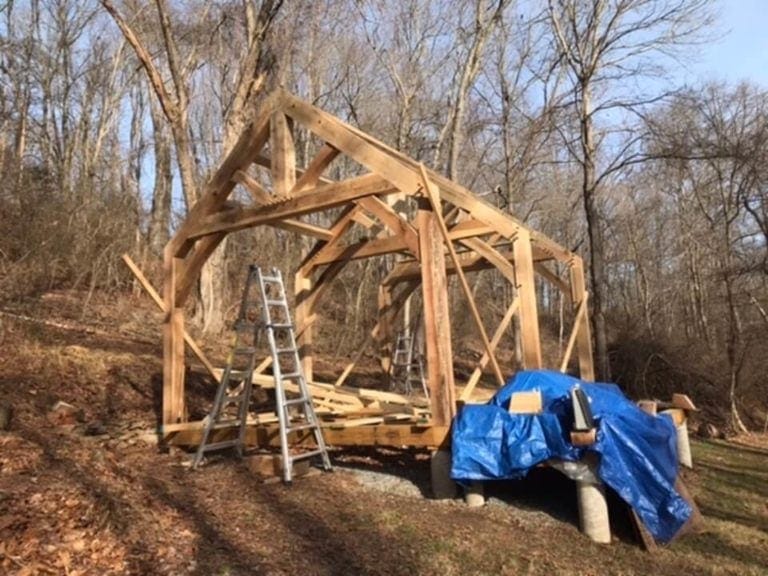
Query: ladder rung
point(299, 427)
point(291, 375)
point(272, 279)
point(282, 325)
point(246, 350)
point(221, 445)
point(305, 455)
point(284, 350)
point(297, 401)
point(277, 303)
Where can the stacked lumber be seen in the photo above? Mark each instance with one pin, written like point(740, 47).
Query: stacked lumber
point(348, 407)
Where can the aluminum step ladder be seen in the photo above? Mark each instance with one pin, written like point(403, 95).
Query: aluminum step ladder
point(294, 414)
point(263, 313)
point(233, 396)
point(406, 366)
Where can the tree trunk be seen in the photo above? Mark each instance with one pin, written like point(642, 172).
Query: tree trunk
point(160, 216)
point(595, 234)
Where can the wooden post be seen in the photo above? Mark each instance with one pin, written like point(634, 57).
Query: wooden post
point(437, 325)
point(384, 336)
point(302, 290)
point(173, 342)
point(283, 155)
point(584, 337)
point(529, 319)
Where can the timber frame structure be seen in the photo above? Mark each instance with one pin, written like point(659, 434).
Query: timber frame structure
point(447, 217)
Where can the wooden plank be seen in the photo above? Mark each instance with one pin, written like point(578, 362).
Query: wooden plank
point(577, 325)
point(316, 199)
point(394, 435)
point(529, 319)
point(263, 365)
point(432, 194)
point(315, 170)
point(317, 390)
point(466, 393)
point(525, 403)
point(584, 338)
point(345, 374)
point(437, 328)
point(196, 350)
point(354, 422)
point(283, 156)
point(173, 343)
point(683, 402)
point(584, 438)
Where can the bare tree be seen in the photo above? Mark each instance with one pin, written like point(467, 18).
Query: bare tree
point(607, 46)
point(174, 99)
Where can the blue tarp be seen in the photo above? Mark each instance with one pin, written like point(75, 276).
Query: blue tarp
point(638, 451)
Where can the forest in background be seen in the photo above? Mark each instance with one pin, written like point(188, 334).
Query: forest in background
point(565, 113)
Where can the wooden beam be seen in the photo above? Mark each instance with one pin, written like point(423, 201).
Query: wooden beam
point(304, 336)
point(577, 326)
point(392, 220)
point(267, 436)
point(529, 319)
point(310, 177)
point(493, 256)
point(283, 156)
point(157, 299)
point(340, 227)
point(258, 193)
point(437, 327)
point(402, 171)
point(432, 193)
point(321, 198)
point(478, 371)
point(550, 276)
point(173, 343)
point(361, 249)
point(304, 228)
point(584, 338)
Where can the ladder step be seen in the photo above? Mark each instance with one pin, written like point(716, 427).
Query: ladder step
point(299, 427)
point(305, 455)
point(280, 325)
point(297, 401)
point(283, 303)
point(284, 350)
point(272, 279)
point(246, 350)
point(220, 445)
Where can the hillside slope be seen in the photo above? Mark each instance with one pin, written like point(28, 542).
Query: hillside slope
point(95, 495)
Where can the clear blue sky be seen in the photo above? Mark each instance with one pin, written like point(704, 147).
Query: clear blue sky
point(742, 52)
